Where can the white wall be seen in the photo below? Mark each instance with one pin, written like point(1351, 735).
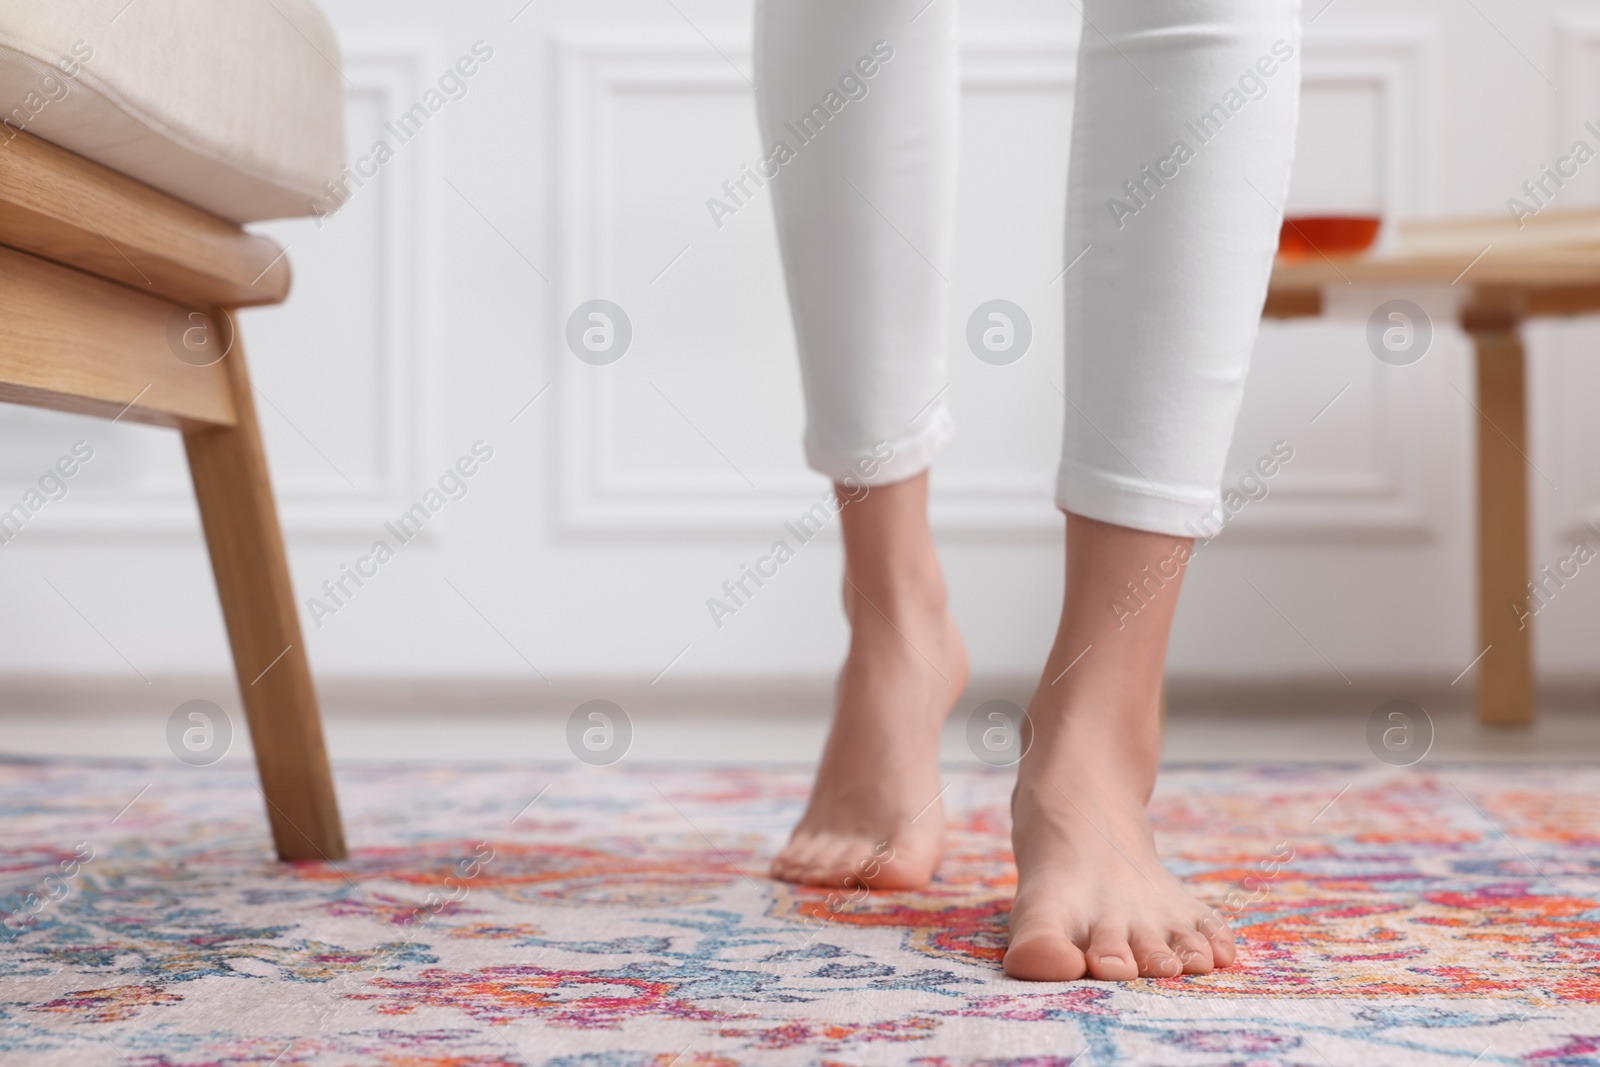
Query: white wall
point(431, 310)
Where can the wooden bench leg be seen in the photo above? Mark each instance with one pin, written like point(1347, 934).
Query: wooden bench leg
point(1505, 674)
point(229, 467)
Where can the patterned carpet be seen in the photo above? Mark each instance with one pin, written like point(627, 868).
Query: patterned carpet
point(1428, 917)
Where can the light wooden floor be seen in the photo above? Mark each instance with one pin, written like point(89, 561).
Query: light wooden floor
point(450, 721)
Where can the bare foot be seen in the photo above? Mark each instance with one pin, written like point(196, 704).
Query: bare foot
point(1092, 898)
point(875, 817)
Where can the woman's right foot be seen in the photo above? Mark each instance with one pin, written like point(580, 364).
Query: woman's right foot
point(875, 818)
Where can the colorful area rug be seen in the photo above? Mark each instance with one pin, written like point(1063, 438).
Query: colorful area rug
point(1443, 916)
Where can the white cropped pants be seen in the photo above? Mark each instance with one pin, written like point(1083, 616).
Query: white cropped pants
point(1183, 128)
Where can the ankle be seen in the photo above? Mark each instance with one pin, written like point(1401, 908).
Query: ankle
point(1108, 791)
point(901, 593)
point(1094, 744)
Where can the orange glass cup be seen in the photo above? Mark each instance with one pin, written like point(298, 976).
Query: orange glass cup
point(1306, 236)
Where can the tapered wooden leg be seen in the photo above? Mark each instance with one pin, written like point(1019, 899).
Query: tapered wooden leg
point(229, 468)
point(1505, 674)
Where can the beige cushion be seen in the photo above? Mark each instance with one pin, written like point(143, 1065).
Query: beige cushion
point(233, 105)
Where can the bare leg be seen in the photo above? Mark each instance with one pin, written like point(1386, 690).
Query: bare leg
point(874, 813)
point(1092, 898)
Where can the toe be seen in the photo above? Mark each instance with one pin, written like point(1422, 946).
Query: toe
point(787, 865)
point(783, 870)
point(1220, 938)
point(1110, 958)
point(1192, 950)
point(1155, 958)
point(799, 862)
point(1044, 956)
point(830, 865)
point(843, 864)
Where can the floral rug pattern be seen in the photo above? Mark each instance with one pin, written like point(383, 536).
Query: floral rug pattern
point(558, 915)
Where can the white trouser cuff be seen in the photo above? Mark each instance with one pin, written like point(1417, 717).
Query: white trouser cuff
point(1130, 502)
point(887, 461)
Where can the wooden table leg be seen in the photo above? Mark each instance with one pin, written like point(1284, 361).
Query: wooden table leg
point(1505, 674)
point(229, 467)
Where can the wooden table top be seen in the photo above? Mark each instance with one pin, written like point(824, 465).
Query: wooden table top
point(1550, 265)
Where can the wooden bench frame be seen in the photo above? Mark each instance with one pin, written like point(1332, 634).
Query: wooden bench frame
point(93, 268)
point(1548, 265)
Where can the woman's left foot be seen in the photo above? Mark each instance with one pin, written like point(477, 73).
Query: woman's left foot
point(1093, 900)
